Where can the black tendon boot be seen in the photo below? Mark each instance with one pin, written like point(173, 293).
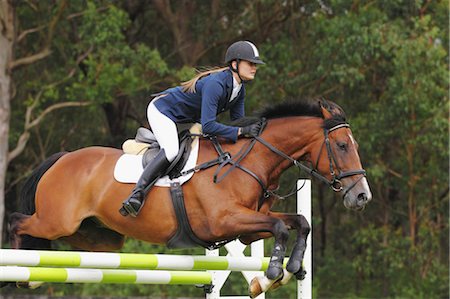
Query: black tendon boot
point(152, 172)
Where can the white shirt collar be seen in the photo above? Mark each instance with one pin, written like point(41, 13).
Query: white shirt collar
point(236, 88)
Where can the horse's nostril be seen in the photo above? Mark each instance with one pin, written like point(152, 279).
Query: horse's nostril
point(362, 197)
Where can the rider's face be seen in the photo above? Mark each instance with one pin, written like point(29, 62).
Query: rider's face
point(247, 70)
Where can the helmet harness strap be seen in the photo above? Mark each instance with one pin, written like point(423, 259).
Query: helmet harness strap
point(236, 70)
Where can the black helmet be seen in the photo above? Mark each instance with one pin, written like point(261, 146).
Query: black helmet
point(243, 50)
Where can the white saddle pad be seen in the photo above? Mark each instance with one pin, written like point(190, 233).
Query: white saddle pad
point(129, 168)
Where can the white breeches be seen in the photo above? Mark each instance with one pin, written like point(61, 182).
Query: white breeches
point(165, 131)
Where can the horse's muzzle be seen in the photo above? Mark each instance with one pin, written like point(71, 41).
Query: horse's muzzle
point(358, 197)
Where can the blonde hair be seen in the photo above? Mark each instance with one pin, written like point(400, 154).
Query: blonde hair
point(189, 86)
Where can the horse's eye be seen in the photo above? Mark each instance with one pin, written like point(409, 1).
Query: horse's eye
point(342, 146)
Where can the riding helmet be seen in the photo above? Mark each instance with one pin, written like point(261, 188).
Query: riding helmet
point(243, 50)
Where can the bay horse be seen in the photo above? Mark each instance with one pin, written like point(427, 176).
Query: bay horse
point(71, 187)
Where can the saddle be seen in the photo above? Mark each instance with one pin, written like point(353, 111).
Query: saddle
point(145, 144)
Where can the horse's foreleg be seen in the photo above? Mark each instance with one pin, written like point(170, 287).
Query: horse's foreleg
point(292, 222)
point(299, 223)
point(247, 222)
point(294, 266)
point(251, 223)
point(249, 239)
point(281, 234)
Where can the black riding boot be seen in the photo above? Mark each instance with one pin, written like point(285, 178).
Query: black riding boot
point(152, 172)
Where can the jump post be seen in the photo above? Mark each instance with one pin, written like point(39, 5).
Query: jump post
point(88, 267)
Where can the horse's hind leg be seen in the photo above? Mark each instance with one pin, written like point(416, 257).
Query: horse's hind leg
point(42, 228)
point(24, 241)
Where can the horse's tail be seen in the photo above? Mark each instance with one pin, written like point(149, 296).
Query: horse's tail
point(27, 200)
point(27, 203)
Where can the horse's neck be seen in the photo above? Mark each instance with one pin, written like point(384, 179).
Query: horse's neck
point(294, 136)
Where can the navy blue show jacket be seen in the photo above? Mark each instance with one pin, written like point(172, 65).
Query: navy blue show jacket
point(212, 97)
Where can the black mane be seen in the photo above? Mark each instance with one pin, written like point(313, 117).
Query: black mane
point(292, 108)
point(299, 108)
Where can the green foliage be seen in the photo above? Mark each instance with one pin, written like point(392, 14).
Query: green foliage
point(411, 274)
point(385, 62)
point(113, 68)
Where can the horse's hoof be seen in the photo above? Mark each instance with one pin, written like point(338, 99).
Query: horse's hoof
point(300, 275)
point(282, 281)
point(254, 289)
point(31, 285)
point(22, 285)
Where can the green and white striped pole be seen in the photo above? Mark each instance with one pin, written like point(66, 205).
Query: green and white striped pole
point(78, 275)
point(35, 258)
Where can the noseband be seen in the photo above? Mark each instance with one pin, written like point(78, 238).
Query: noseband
point(335, 182)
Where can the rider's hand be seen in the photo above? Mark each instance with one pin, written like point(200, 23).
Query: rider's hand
point(251, 130)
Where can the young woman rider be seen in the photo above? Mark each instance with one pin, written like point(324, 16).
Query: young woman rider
point(200, 100)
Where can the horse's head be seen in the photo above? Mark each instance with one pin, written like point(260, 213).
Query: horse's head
point(338, 161)
point(325, 140)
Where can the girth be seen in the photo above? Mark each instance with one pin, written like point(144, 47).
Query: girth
point(184, 237)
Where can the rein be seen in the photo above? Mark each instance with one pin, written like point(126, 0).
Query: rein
point(225, 158)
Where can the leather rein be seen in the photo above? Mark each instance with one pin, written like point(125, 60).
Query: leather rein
point(225, 158)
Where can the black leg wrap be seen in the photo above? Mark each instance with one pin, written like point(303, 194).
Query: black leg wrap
point(275, 269)
point(296, 259)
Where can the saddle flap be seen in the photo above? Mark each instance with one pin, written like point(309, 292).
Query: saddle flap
point(144, 135)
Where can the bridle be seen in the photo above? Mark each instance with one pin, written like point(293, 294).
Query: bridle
point(335, 181)
point(225, 158)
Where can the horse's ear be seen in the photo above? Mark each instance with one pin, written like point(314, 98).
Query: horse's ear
point(325, 112)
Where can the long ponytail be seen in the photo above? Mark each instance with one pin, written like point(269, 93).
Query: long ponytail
point(189, 86)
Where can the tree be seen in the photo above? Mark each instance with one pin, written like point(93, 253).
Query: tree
point(7, 65)
point(97, 69)
point(6, 45)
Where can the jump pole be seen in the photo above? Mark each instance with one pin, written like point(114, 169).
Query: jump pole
point(109, 260)
point(79, 275)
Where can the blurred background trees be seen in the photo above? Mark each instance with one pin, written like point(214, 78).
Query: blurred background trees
point(82, 73)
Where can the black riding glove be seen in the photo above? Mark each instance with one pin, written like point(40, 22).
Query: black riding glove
point(251, 130)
